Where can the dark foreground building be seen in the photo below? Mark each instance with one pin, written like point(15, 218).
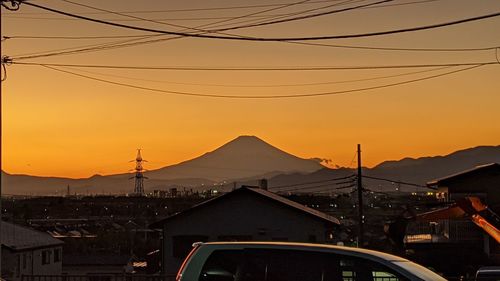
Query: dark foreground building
point(244, 214)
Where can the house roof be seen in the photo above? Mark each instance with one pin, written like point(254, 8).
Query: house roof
point(466, 173)
point(18, 238)
point(264, 194)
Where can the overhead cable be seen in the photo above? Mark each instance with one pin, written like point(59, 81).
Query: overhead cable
point(396, 181)
point(193, 94)
point(193, 9)
point(396, 48)
point(297, 68)
point(208, 36)
point(281, 19)
point(311, 182)
point(268, 85)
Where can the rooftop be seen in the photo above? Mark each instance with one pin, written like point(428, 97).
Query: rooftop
point(16, 237)
point(476, 170)
point(263, 194)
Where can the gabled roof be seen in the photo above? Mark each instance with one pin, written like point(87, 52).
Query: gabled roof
point(264, 194)
point(17, 238)
point(466, 173)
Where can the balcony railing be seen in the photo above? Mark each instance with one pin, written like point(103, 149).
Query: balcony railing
point(442, 231)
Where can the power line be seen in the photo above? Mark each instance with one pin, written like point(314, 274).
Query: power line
point(194, 9)
point(142, 19)
point(256, 13)
point(277, 19)
point(311, 182)
point(269, 85)
point(22, 16)
point(127, 43)
point(136, 20)
point(369, 34)
point(311, 68)
point(397, 48)
point(75, 37)
point(130, 43)
point(398, 182)
point(260, 97)
point(81, 49)
point(305, 189)
point(401, 4)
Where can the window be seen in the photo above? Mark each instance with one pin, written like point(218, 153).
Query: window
point(182, 244)
point(267, 265)
point(358, 269)
point(292, 265)
point(221, 265)
point(57, 255)
point(46, 256)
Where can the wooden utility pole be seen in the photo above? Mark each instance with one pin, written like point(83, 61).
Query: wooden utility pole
point(360, 201)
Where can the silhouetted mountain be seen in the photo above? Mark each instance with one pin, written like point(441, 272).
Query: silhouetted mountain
point(419, 171)
point(246, 159)
point(243, 157)
point(424, 169)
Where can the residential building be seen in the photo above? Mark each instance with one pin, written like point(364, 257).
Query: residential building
point(29, 252)
point(245, 214)
point(465, 231)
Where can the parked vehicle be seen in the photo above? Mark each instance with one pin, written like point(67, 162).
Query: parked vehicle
point(276, 261)
point(488, 273)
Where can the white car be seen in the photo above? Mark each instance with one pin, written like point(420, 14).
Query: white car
point(277, 261)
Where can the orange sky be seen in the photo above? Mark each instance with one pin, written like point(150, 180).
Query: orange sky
point(55, 124)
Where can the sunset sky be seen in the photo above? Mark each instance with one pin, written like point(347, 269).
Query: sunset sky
point(58, 124)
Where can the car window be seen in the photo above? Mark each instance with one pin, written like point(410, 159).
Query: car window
point(358, 269)
point(292, 265)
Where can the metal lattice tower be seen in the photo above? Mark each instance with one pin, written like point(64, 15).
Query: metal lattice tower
point(139, 176)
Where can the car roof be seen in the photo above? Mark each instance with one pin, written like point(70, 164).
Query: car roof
point(310, 246)
point(489, 269)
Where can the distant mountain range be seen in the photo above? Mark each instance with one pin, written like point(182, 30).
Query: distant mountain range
point(418, 171)
point(246, 159)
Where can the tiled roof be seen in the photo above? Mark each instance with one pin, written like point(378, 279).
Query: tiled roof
point(260, 192)
point(16, 237)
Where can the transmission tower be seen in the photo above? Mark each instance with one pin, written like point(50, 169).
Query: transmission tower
point(139, 176)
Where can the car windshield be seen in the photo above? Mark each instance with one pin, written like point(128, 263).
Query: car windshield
point(420, 271)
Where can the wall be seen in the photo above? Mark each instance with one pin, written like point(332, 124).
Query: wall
point(487, 182)
point(13, 265)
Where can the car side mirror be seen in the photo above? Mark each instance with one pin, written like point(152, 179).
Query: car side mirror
point(217, 275)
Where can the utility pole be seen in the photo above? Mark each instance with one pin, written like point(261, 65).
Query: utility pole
point(360, 201)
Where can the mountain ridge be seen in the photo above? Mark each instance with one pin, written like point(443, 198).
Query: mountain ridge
point(261, 160)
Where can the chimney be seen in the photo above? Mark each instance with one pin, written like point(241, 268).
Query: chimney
point(263, 184)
